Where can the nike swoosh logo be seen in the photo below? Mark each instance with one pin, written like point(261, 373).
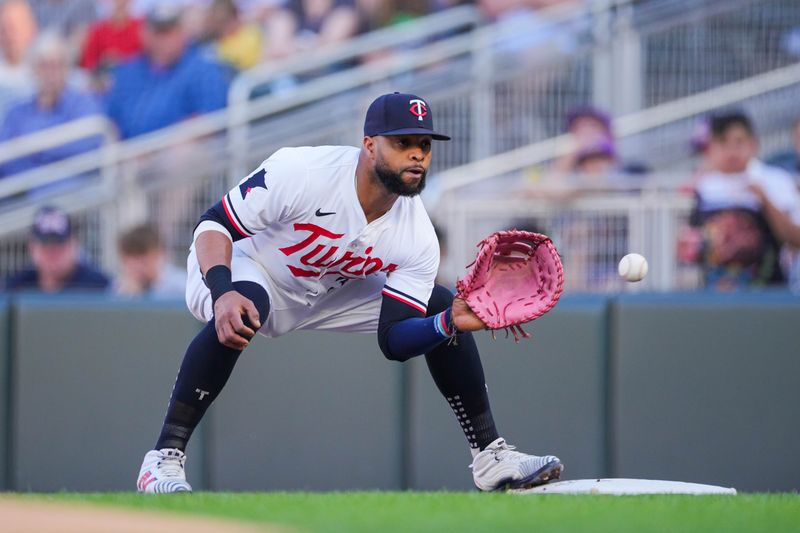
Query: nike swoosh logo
point(321, 213)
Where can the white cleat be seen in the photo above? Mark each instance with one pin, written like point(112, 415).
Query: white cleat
point(499, 467)
point(162, 472)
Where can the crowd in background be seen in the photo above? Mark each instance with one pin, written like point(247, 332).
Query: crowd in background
point(147, 64)
point(744, 228)
point(58, 264)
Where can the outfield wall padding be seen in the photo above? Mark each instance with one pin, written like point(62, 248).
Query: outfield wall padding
point(547, 394)
point(707, 389)
point(309, 411)
point(92, 379)
point(699, 388)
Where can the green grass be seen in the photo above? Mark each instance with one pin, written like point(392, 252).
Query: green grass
point(454, 511)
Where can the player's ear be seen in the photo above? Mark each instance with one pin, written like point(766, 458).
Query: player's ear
point(369, 146)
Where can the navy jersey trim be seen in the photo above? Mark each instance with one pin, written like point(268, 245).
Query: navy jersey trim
point(405, 298)
point(217, 214)
point(234, 217)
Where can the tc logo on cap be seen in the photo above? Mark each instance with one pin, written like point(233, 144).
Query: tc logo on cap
point(418, 108)
point(400, 114)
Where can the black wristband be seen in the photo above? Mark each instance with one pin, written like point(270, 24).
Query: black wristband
point(218, 280)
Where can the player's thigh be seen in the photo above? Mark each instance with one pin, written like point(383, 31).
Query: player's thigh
point(354, 309)
point(198, 297)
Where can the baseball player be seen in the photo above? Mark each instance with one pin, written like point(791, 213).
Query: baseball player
point(334, 238)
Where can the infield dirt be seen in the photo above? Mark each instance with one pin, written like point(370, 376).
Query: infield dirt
point(20, 516)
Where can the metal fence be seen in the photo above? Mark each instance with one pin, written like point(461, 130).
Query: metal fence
point(493, 88)
point(511, 84)
point(591, 231)
point(722, 42)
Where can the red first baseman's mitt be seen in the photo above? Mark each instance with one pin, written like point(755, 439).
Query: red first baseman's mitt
point(516, 278)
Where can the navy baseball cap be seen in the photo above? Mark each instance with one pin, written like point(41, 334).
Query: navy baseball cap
point(51, 225)
point(400, 114)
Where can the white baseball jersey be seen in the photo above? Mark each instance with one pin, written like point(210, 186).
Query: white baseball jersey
point(309, 244)
point(725, 191)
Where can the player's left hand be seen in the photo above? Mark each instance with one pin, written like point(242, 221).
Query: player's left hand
point(463, 317)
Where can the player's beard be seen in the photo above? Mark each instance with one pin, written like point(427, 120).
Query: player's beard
point(393, 181)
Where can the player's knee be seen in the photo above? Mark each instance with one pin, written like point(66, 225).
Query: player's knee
point(392, 357)
point(256, 294)
point(441, 299)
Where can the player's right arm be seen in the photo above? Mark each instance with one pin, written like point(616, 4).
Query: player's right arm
point(269, 194)
point(780, 221)
point(214, 250)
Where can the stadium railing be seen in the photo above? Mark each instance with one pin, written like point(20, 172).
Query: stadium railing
point(595, 230)
point(491, 101)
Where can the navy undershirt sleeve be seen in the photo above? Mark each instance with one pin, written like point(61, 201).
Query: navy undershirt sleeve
point(217, 214)
point(404, 332)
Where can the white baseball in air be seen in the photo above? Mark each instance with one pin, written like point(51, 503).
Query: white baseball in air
point(633, 267)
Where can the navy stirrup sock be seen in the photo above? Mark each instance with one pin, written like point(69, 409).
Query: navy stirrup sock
point(204, 371)
point(456, 368)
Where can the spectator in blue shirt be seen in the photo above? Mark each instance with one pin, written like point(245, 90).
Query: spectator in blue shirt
point(54, 103)
point(169, 81)
point(56, 258)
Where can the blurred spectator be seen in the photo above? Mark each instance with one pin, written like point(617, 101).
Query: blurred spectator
point(70, 18)
point(259, 11)
point(56, 258)
point(145, 270)
point(745, 210)
point(17, 33)
point(378, 14)
point(700, 137)
point(410, 10)
point(591, 245)
point(528, 34)
point(593, 162)
point(237, 43)
point(141, 8)
point(315, 24)
point(598, 159)
point(279, 33)
point(192, 18)
point(54, 103)
point(589, 127)
point(111, 41)
point(374, 14)
point(168, 82)
point(790, 159)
